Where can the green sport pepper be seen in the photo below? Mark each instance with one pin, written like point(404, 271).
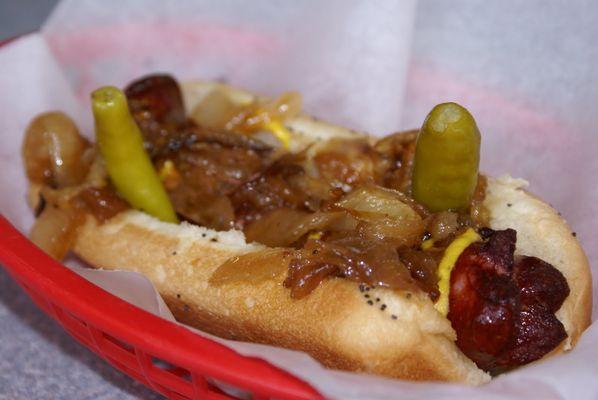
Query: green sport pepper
point(447, 158)
point(127, 162)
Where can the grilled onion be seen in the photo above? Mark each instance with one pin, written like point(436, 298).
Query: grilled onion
point(54, 152)
point(54, 230)
point(385, 215)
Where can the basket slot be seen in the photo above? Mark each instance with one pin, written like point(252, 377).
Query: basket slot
point(73, 325)
point(113, 348)
point(173, 369)
point(164, 375)
point(176, 382)
point(122, 345)
point(133, 373)
point(71, 320)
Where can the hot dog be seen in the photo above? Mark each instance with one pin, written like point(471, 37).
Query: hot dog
point(391, 256)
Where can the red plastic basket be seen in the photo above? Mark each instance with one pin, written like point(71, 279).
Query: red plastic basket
point(163, 356)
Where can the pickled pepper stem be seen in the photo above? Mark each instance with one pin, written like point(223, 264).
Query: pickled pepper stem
point(128, 165)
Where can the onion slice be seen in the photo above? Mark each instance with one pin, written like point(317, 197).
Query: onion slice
point(54, 230)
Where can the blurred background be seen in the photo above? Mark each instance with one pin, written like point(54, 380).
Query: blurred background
point(23, 16)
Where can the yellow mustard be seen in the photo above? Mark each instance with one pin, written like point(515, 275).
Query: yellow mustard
point(279, 131)
point(451, 254)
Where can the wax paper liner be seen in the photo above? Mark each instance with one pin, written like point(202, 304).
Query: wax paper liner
point(355, 65)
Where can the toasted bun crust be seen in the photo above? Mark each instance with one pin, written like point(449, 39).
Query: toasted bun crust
point(335, 324)
point(541, 232)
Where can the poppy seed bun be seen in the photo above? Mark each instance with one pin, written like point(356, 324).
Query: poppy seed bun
point(335, 324)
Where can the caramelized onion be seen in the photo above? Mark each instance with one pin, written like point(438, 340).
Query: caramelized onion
point(397, 152)
point(215, 110)
point(281, 185)
point(343, 163)
point(103, 203)
point(443, 225)
point(352, 257)
point(422, 266)
point(54, 230)
point(60, 164)
point(54, 152)
point(258, 114)
point(385, 215)
point(479, 214)
point(285, 226)
point(252, 268)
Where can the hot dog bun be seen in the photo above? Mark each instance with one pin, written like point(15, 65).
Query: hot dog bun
point(408, 339)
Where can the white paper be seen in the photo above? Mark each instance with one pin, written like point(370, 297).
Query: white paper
point(349, 60)
point(327, 49)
